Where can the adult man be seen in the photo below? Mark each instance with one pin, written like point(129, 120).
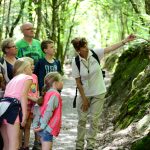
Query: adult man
point(28, 46)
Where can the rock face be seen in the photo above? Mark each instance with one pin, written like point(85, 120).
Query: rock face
point(126, 117)
point(130, 64)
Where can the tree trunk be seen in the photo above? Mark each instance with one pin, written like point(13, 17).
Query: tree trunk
point(54, 19)
point(135, 7)
point(17, 19)
point(147, 6)
point(7, 22)
point(30, 10)
point(39, 18)
point(70, 31)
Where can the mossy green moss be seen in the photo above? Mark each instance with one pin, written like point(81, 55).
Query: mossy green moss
point(130, 64)
point(130, 86)
point(142, 144)
point(110, 62)
point(137, 102)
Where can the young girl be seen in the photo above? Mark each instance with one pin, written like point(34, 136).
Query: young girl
point(47, 120)
point(33, 97)
point(15, 103)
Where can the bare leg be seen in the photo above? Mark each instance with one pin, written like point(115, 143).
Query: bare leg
point(4, 136)
point(13, 135)
point(27, 132)
point(47, 145)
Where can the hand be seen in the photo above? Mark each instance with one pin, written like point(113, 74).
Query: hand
point(37, 129)
point(23, 123)
point(85, 105)
point(40, 101)
point(131, 37)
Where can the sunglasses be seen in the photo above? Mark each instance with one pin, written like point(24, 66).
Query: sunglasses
point(11, 46)
point(29, 29)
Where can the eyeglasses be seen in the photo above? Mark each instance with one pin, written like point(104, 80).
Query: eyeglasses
point(11, 46)
point(29, 29)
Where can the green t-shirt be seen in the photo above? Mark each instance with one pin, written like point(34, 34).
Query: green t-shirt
point(30, 50)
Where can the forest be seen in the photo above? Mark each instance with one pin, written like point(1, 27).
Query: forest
point(125, 121)
point(103, 22)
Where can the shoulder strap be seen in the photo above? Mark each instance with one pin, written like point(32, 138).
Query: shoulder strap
point(77, 61)
point(95, 56)
point(1, 60)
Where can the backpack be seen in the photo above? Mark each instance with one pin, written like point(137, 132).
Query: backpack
point(77, 61)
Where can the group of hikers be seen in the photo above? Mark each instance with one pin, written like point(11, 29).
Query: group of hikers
point(30, 90)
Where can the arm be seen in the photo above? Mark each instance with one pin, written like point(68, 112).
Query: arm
point(24, 99)
point(51, 106)
point(119, 44)
point(85, 102)
point(34, 99)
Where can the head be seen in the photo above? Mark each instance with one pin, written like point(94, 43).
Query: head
point(53, 80)
point(22, 66)
point(31, 61)
point(27, 29)
point(8, 47)
point(81, 46)
point(47, 47)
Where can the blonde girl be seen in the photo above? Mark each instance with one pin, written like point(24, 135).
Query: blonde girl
point(33, 97)
point(47, 121)
point(15, 104)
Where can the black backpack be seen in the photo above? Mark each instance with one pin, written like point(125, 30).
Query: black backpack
point(77, 61)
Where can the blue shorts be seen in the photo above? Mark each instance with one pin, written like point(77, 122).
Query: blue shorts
point(45, 136)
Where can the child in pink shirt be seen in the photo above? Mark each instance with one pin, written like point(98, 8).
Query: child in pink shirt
point(15, 104)
point(33, 96)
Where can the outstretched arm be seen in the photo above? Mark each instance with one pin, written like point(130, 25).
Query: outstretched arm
point(131, 37)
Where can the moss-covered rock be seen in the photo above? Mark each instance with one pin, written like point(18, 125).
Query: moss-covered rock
point(110, 62)
point(130, 64)
point(137, 102)
point(142, 144)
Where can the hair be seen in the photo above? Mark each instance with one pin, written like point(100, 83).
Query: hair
point(26, 23)
point(20, 65)
point(5, 44)
point(45, 43)
point(29, 59)
point(79, 42)
point(49, 79)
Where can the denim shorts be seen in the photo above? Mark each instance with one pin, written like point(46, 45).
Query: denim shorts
point(45, 136)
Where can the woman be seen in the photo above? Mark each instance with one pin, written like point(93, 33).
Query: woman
point(9, 58)
point(91, 86)
point(14, 104)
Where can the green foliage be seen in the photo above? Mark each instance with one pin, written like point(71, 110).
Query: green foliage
point(142, 144)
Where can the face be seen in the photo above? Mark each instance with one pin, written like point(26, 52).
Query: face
point(83, 51)
point(32, 66)
point(28, 30)
point(50, 50)
point(28, 69)
point(59, 85)
point(11, 49)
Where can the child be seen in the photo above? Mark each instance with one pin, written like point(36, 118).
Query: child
point(47, 64)
point(15, 102)
point(33, 97)
point(47, 120)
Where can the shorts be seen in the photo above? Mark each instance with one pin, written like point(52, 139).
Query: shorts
point(45, 136)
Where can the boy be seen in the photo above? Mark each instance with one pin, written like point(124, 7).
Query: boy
point(48, 63)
